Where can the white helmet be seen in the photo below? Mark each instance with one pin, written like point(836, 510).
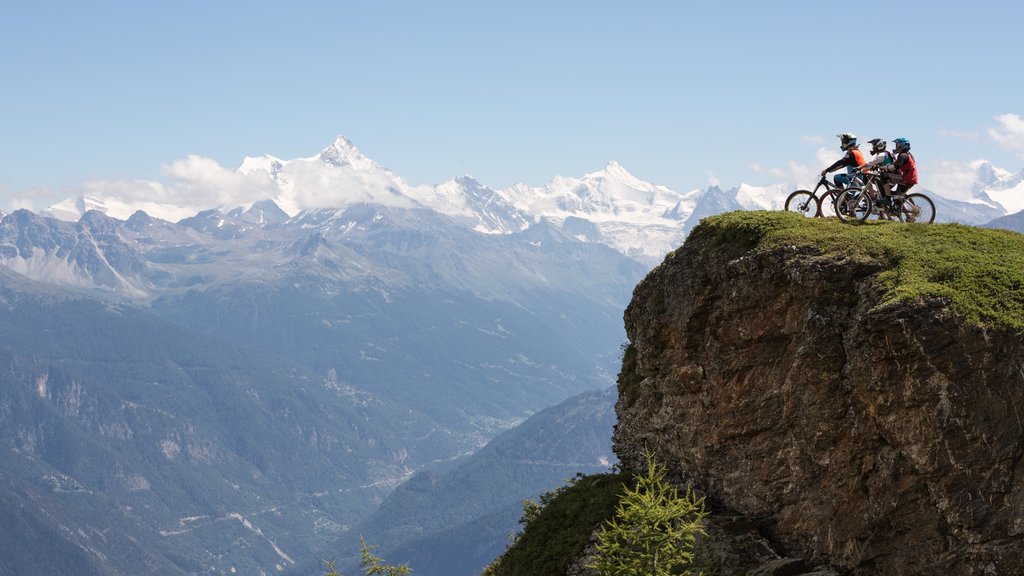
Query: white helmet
point(847, 140)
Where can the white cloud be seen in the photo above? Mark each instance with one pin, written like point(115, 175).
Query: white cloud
point(315, 187)
point(713, 180)
point(30, 199)
point(959, 134)
point(798, 174)
point(195, 183)
point(814, 140)
point(1010, 133)
point(122, 198)
point(202, 181)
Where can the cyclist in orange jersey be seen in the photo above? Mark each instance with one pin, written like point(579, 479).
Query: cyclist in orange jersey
point(852, 160)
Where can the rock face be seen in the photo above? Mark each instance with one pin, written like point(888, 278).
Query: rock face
point(874, 439)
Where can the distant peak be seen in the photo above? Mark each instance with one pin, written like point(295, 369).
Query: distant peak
point(466, 180)
point(342, 152)
point(613, 168)
point(615, 171)
point(265, 163)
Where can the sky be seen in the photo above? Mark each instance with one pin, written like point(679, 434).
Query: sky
point(113, 95)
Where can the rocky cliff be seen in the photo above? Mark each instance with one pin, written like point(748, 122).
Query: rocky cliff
point(854, 394)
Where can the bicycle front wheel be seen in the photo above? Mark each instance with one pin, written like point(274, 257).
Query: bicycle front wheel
point(853, 205)
point(917, 208)
point(802, 202)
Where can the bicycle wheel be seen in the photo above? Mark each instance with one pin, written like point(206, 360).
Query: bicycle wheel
point(917, 208)
point(827, 204)
point(802, 202)
point(853, 205)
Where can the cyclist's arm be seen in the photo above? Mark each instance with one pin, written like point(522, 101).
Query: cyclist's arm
point(846, 160)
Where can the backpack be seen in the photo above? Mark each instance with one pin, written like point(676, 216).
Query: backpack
point(908, 169)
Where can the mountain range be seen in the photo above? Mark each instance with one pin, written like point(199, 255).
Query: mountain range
point(235, 391)
point(611, 206)
point(247, 387)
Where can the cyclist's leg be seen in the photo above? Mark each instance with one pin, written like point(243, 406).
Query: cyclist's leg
point(902, 189)
point(885, 184)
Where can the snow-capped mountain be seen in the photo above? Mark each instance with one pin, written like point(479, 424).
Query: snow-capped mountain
point(610, 206)
point(616, 208)
point(482, 208)
point(1008, 192)
point(637, 218)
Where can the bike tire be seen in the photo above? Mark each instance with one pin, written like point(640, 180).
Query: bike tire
point(827, 204)
point(802, 202)
point(853, 205)
point(917, 208)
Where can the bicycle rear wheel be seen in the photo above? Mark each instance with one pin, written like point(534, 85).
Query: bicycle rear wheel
point(917, 208)
point(802, 202)
point(853, 205)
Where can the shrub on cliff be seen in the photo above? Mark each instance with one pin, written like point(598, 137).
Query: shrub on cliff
point(556, 530)
point(654, 531)
point(644, 528)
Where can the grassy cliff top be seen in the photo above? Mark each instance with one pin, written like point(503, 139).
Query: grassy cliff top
point(978, 271)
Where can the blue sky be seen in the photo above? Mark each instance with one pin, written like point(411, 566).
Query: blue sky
point(681, 94)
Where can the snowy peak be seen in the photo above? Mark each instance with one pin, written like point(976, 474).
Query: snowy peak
point(611, 193)
point(265, 163)
point(615, 172)
point(761, 197)
point(988, 174)
point(71, 209)
point(1008, 192)
point(344, 153)
point(478, 206)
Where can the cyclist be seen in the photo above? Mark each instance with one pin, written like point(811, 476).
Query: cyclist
point(881, 158)
point(852, 160)
point(903, 170)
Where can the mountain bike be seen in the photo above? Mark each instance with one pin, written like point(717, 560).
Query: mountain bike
point(859, 202)
point(808, 203)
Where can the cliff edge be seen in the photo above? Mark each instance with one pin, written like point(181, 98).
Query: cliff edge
point(855, 392)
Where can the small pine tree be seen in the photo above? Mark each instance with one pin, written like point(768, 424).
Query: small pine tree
point(372, 565)
point(654, 530)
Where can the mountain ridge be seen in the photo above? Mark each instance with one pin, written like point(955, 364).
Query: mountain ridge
point(637, 218)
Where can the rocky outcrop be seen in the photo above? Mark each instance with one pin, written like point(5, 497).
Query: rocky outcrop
point(875, 439)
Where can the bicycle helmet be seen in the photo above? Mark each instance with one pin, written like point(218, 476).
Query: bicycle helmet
point(847, 140)
point(877, 146)
point(901, 144)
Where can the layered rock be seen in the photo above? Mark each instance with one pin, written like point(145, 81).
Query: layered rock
point(877, 439)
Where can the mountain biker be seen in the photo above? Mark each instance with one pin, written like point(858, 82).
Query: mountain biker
point(881, 158)
point(852, 160)
point(903, 170)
